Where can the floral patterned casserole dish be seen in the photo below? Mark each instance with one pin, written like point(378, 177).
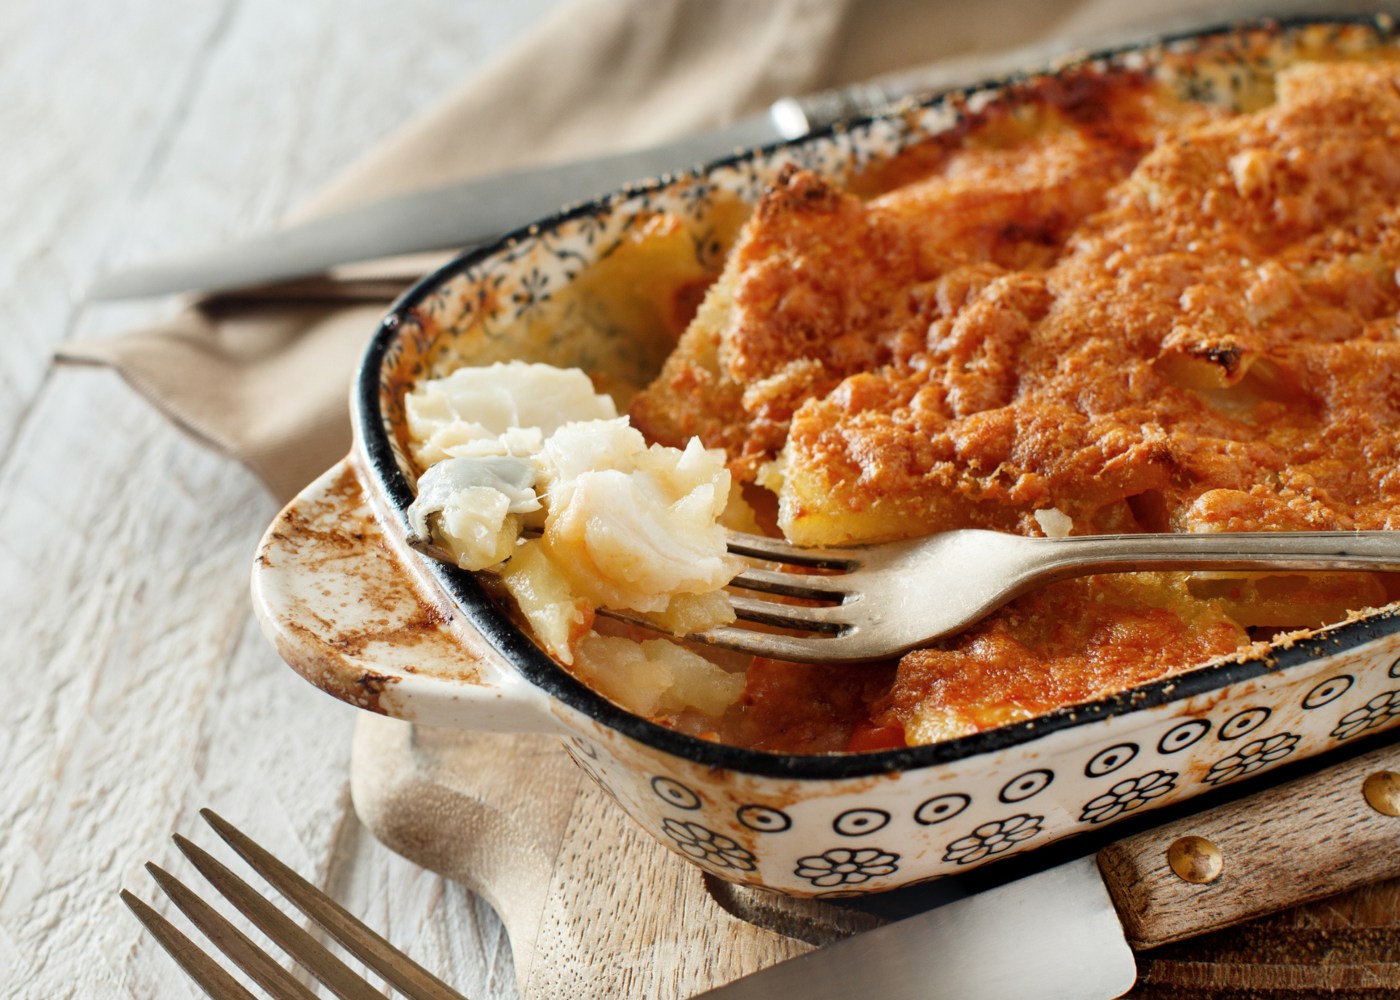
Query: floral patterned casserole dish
point(358, 613)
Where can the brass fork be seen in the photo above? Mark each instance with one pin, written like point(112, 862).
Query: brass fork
point(876, 601)
point(409, 978)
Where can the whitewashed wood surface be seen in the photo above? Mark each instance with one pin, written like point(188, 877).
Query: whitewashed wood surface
point(139, 689)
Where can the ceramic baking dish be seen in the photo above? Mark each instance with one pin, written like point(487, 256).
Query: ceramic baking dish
point(375, 624)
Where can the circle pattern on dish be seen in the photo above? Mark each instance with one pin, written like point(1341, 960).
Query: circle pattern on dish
point(1244, 723)
point(1328, 691)
point(1107, 761)
point(1178, 738)
point(1031, 783)
point(672, 791)
point(859, 822)
point(941, 808)
point(763, 819)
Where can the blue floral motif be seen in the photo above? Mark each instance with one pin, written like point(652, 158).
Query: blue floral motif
point(993, 838)
point(1127, 795)
point(697, 197)
point(1376, 712)
point(1251, 757)
point(531, 290)
point(846, 866)
point(589, 228)
point(704, 844)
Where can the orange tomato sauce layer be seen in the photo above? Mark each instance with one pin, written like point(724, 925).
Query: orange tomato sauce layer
point(1145, 313)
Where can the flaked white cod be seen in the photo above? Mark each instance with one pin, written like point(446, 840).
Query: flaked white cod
point(529, 473)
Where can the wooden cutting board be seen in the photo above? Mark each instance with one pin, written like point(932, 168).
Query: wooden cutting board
point(597, 909)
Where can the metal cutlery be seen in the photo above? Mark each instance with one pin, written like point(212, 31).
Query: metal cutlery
point(409, 978)
point(466, 213)
point(1070, 932)
point(876, 601)
point(454, 216)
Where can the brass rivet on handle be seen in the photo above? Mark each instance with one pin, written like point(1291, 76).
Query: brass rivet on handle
point(1382, 791)
point(1195, 859)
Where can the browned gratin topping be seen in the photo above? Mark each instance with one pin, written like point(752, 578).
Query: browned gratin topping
point(1144, 313)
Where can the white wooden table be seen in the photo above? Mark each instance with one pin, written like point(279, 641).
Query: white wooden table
point(140, 688)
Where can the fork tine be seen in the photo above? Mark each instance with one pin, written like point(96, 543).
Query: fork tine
point(407, 976)
point(796, 648)
point(792, 584)
point(800, 616)
point(778, 550)
point(260, 966)
point(318, 960)
point(208, 974)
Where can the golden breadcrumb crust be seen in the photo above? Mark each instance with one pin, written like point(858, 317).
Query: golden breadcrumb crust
point(1146, 313)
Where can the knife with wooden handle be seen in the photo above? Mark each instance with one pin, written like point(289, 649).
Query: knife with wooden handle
point(596, 909)
point(593, 906)
point(1069, 933)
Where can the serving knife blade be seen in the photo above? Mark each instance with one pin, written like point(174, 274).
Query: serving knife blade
point(460, 215)
point(456, 216)
point(1070, 932)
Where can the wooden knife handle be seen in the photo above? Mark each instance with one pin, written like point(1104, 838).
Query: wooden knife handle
point(1300, 841)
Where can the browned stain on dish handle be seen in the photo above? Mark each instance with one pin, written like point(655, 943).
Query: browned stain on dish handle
point(363, 689)
point(353, 627)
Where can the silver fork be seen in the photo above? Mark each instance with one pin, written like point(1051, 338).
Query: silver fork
point(882, 600)
point(409, 978)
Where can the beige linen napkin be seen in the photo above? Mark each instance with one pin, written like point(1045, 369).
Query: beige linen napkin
point(266, 378)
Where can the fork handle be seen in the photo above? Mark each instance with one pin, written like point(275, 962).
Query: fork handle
point(1375, 551)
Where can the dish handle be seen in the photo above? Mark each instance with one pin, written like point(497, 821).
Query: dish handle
point(353, 618)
